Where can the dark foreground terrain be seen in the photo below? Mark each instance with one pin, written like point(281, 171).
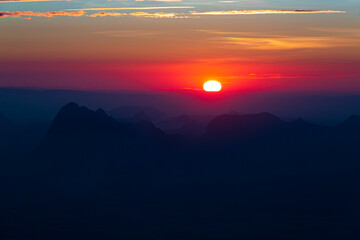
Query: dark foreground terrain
point(89, 176)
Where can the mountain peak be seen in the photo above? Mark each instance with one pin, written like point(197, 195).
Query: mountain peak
point(73, 110)
point(71, 105)
point(74, 118)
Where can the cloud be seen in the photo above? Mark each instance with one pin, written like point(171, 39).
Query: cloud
point(266, 41)
point(130, 8)
point(29, 14)
point(282, 43)
point(107, 14)
point(153, 15)
point(18, 1)
point(40, 14)
point(135, 14)
point(257, 12)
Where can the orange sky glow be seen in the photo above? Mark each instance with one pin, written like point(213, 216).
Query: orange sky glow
point(163, 46)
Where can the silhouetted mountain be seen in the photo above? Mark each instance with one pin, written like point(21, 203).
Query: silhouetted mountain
point(352, 122)
point(136, 114)
point(139, 117)
point(300, 126)
point(41, 105)
point(73, 119)
point(243, 126)
point(251, 176)
point(84, 131)
point(85, 151)
point(194, 125)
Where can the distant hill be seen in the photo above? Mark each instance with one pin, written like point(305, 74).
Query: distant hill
point(258, 125)
point(137, 114)
point(352, 122)
point(191, 125)
point(41, 105)
point(243, 125)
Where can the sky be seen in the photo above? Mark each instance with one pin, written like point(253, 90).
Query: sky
point(173, 45)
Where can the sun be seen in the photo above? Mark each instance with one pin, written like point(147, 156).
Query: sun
point(212, 86)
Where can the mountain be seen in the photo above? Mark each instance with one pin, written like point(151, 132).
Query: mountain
point(353, 122)
point(95, 177)
point(41, 105)
point(190, 125)
point(136, 113)
point(85, 131)
point(86, 151)
point(243, 126)
point(74, 120)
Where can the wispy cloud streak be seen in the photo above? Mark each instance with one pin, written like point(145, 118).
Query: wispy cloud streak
point(20, 1)
point(266, 41)
point(131, 8)
point(257, 12)
point(105, 12)
point(40, 14)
